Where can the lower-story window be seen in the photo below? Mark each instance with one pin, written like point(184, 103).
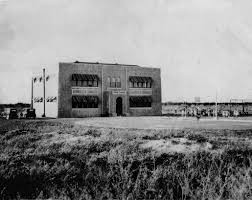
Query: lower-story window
point(140, 101)
point(85, 101)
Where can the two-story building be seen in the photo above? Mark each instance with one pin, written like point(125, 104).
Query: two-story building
point(88, 89)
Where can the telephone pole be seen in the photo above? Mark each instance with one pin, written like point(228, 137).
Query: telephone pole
point(44, 91)
point(32, 93)
point(216, 107)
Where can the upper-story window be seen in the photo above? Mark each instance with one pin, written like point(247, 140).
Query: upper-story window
point(140, 82)
point(131, 84)
point(114, 82)
point(95, 83)
point(90, 83)
point(85, 80)
point(118, 82)
point(85, 83)
point(148, 84)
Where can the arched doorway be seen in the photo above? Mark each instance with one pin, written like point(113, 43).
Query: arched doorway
point(119, 106)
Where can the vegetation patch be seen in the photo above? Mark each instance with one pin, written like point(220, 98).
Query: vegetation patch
point(56, 159)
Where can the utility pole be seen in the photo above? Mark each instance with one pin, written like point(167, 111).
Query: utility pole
point(32, 93)
point(185, 109)
point(230, 110)
point(44, 91)
point(216, 107)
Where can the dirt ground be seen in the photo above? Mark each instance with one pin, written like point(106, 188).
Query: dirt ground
point(167, 123)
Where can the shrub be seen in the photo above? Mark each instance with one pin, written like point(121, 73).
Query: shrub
point(199, 138)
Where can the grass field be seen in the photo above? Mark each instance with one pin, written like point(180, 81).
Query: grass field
point(140, 158)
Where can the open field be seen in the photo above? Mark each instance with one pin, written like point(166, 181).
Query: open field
point(167, 123)
point(87, 159)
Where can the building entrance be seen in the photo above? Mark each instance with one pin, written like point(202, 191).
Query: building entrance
point(119, 106)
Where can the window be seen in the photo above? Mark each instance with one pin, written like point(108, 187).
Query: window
point(85, 102)
point(90, 83)
point(118, 82)
point(148, 85)
point(113, 84)
point(140, 101)
point(131, 84)
point(95, 84)
point(79, 83)
point(85, 83)
point(75, 83)
point(109, 82)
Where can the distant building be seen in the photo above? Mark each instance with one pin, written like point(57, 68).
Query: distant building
point(225, 109)
point(85, 89)
point(197, 99)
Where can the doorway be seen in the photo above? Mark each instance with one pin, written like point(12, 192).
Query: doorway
point(119, 106)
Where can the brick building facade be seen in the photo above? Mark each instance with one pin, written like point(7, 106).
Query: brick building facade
point(100, 89)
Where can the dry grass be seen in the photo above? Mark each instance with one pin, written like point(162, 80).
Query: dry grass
point(57, 159)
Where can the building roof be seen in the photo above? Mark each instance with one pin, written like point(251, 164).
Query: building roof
point(106, 63)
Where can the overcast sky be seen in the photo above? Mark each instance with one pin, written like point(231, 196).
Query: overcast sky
point(200, 45)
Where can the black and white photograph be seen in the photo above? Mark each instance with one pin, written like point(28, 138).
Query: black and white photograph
point(126, 100)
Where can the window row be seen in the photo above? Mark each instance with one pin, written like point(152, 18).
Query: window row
point(140, 101)
point(140, 84)
point(93, 101)
point(85, 80)
point(114, 82)
point(82, 83)
point(85, 101)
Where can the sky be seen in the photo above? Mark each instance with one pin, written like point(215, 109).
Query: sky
point(203, 47)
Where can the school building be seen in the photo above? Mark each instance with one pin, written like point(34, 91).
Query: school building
point(86, 89)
